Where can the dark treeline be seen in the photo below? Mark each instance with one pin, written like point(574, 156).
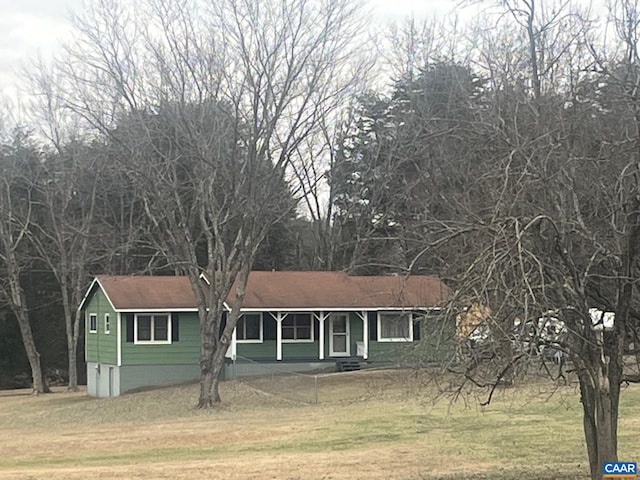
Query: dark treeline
point(504, 160)
point(73, 217)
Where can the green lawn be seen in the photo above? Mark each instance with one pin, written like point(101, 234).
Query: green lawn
point(367, 425)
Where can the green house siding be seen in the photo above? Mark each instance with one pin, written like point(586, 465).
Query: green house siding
point(388, 351)
point(267, 350)
point(101, 347)
point(435, 344)
point(355, 332)
point(290, 351)
point(257, 351)
point(303, 350)
point(139, 376)
point(185, 351)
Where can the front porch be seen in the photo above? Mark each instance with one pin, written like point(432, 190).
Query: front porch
point(306, 336)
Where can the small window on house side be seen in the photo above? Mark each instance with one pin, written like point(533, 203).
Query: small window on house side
point(93, 322)
point(249, 328)
point(107, 324)
point(395, 327)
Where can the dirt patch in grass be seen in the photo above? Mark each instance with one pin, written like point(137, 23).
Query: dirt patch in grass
point(391, 431)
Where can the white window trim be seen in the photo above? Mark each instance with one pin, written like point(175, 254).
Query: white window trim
point(395, 339)
point(89, 325)
point(302, 340)
point(151, 342)
point(260, 340)
point(107, 324)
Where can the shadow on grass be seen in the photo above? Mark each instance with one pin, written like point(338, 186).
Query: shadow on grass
point(24, 392)
point(563, 472)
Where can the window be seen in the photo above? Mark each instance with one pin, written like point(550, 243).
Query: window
point(152, 328)
point(107, 324)
point(395, 327)
point(93, 322)
point(297, 327)
point(249, 328)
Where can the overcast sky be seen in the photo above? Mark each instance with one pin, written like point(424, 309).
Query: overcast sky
point(29, 28)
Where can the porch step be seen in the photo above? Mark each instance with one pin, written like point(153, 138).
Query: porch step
point(348, 364)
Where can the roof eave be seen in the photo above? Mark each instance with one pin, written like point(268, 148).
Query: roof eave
point(154, 310)
point(334, 309)
point(87, 295)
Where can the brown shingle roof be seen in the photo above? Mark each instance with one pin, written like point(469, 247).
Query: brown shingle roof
point(284, 290)
point(338, 290)
point(148, 292)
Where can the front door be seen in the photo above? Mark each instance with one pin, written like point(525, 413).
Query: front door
point(339, 335)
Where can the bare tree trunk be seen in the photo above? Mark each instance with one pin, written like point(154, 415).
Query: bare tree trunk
point(209, 394)
point(210, 381)
point(607, 418)
point(73, 352)
point(39, 385)
point(216, 370)
point(588, 400)
point(72, 358)
point(18, 305)
point(214, 342)
point(69, 322)
point(533, 55)
point(599, 418)
point(209, 331)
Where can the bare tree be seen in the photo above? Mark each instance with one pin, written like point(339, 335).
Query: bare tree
point(529, 199)
point(17, 159)
point(62, 233)
point(204, 114)
point(65, 194)
point(558, 241)
point(413, 43)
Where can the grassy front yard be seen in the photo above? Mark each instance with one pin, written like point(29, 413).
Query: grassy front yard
point(389, 431)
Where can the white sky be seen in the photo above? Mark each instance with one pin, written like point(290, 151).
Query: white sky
point(32, 28)
point(29, 28)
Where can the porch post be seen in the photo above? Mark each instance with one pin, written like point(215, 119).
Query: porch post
point(118, 339)
point(365, 334)
point(234, 345)
point(321, 319)
point(279, 319)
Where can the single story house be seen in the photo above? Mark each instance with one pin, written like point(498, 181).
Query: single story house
point(144, 330)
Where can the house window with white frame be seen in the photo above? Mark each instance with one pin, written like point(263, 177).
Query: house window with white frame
point(249, 328)
point(395, 327)
point(297, 327)
point(152, 328)
point(107, 324)
point(93, 322)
